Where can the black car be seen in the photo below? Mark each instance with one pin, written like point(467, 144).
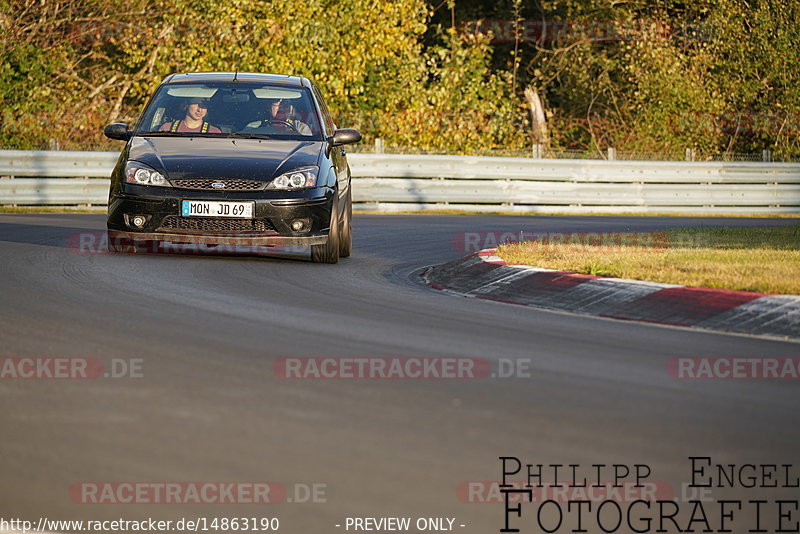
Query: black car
point(233, 159)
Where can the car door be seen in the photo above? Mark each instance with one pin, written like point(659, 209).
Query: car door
point(338, 154)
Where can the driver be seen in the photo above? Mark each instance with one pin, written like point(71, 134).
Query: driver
point(281, 113)
point(196, 110)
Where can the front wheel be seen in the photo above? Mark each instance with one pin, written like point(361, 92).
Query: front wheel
point(328, 252)
point(346, 234)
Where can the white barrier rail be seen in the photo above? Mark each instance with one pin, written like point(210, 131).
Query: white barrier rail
point(56, 164)
point(389, 182)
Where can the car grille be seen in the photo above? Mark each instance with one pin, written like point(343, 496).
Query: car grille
point(204, 184)
point(215, 224)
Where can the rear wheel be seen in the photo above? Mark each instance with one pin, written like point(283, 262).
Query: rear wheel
point(328, 252)
point(346, 234)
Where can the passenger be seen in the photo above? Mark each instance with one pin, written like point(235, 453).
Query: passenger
point(282, 116)
point(193, 122)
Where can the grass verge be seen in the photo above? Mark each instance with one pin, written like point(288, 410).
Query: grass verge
point(766, 260)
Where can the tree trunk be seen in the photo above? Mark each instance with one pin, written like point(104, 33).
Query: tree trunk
point(538, 119)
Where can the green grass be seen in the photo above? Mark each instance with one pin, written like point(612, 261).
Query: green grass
point(750, 259)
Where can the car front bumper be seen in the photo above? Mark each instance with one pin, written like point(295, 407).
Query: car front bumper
point(270, 226)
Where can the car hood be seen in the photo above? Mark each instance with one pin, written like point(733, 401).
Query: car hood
point(202, 157)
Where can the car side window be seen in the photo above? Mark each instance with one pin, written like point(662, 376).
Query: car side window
point(329, 126)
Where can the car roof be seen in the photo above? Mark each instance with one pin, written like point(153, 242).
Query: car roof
point(193, 77)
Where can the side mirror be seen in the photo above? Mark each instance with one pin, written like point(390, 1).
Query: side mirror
point(346, 136)
point(118, 130)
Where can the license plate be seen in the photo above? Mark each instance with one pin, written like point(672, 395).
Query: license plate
point(203, 208)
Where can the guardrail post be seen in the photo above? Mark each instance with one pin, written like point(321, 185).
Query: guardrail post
point(766, 155)
point(690, 154)
point(537, 151)
point(378, 145)
point(612, 153)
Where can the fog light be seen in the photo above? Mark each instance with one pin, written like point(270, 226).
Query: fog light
point(298, 225)
point(138, 221)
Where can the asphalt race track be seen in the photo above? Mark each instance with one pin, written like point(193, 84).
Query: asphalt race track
point(209, 406)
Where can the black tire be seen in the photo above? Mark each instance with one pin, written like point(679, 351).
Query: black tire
point(328, 252)
point(346, 233)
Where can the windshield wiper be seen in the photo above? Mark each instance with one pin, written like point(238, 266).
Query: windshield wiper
point(167, 133)
point(234, 135)
point(239, 135)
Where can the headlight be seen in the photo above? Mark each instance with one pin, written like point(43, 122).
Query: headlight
point(296, 179)
point(141, 174)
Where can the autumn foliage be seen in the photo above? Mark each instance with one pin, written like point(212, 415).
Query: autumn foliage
point(714, 75)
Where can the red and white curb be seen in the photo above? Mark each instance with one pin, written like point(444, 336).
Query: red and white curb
point(486, 276)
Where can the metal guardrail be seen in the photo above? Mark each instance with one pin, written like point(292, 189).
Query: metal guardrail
point(388, 182)
point(56, 164)
point(54, 192)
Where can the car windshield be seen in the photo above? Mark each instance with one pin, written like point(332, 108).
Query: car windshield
point(231, 110)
